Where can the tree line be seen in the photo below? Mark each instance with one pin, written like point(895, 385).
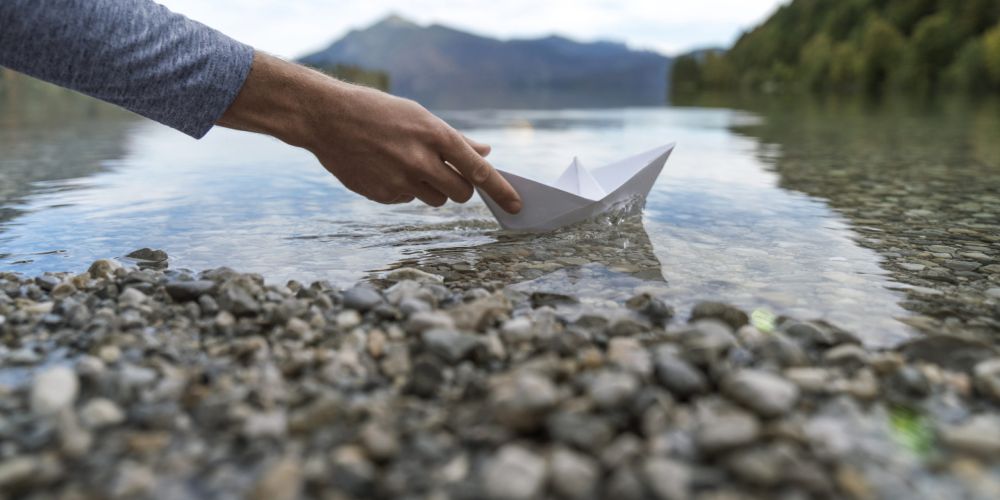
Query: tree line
point(857, 46)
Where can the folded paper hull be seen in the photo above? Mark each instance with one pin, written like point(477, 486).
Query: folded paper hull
point(546, 207)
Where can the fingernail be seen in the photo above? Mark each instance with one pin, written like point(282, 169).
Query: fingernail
point(514, 206)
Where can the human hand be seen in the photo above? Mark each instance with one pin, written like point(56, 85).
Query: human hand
point(388, 149)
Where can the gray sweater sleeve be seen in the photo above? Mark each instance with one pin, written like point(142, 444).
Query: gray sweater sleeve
point(133, 53)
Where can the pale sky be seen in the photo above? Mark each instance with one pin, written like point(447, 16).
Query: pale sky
point(292, 28)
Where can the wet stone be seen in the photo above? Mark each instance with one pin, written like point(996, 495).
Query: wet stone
point(522, 400)
point(183, 291)
point(987, 378)
point(613, 389)
point(726, 430)
point(765, 393)
point(53, 390)
point(514, 473)
point(574, 475)
point(980, 435)
point(148, 254)
point(539, 299)
point(948, 351)
point(667, 479)
point(677, 375)
point(728, 314)
point(99, 412)
point(451, 345)
point(361, 298)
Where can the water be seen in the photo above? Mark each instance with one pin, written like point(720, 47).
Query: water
point(763, 209)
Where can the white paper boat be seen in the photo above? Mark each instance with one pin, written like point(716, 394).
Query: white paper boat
point(579, 194)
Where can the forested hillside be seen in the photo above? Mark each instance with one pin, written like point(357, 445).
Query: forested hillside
point(854, 46)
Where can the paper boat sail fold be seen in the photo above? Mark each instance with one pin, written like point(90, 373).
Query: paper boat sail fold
point(579, 194)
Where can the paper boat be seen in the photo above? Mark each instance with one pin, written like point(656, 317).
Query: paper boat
point(579, 194)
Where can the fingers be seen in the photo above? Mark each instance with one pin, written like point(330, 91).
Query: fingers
point(427, 194)
point(482, 149)
point(479, 172)
point(403, 198)
point(446, 180)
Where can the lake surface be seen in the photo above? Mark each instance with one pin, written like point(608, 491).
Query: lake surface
point(827, 211)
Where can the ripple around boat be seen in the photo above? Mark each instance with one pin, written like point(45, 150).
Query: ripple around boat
point(807, 306)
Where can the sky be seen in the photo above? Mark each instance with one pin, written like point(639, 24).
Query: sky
point(292, 28)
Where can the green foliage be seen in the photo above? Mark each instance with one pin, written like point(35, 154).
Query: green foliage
point(968, 72)
point(686, 74)
point(860, 46)
point(882, 46)
point(991, 55)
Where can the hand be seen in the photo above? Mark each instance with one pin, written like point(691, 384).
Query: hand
point(388, 149)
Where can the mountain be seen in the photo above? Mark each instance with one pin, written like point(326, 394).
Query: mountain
point(870, 46)
point(447, 68)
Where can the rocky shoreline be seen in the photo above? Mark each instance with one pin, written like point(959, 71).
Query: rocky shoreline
point(126, 382)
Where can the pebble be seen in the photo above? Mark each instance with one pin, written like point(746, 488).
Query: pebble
point(629, 354)
point(517, 330)
point(184, 291)
point(726, 313)
point(235, 298)
point(103, 269)
point(667, 479)
point(993, 292)
point(451, 345)
point(726, 430)
point(765, 393)
point(573, 475)
point(131, 297)
point(987, 378)
point(361, 298)
point(980, 435)
point(53, 390)
point(677, 375)
point(514, 473)
point(809, 379)
point(422, 321)
point(100, 412)
point(281, 480)
point(148, 254)
point(611, 389)
point(413, 274)
point(522, 400)
point(380, 441)
point(419, 395)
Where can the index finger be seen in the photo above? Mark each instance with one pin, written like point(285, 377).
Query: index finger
point(480, 173)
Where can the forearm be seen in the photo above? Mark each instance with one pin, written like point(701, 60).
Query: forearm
point(386, 148)
point(280, 99)
point(133, 53)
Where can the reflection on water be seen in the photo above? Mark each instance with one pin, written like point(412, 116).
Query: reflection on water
point(920, 184)
point(728, 219)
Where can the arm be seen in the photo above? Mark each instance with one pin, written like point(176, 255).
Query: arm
point(388, 149)
point(139, 55)
point(133, 53)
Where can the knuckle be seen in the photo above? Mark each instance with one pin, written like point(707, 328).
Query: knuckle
point(481, 172)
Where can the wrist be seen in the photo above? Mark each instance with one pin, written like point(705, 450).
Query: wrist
point(279, 99)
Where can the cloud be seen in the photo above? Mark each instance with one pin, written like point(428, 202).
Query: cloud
point(291, 28)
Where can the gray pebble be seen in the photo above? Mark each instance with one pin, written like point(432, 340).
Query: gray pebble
point(767, 394)
point(362, 298)
point(514, 473)
point(183, 291)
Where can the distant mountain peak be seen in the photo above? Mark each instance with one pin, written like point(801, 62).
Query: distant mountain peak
point(443, 66)
point(394, 20)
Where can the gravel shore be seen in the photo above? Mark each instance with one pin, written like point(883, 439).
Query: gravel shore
point(126, 382)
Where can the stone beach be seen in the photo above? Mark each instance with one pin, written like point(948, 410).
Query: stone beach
point(133, 380)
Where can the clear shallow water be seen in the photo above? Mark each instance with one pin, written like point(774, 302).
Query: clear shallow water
point(718, 224)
